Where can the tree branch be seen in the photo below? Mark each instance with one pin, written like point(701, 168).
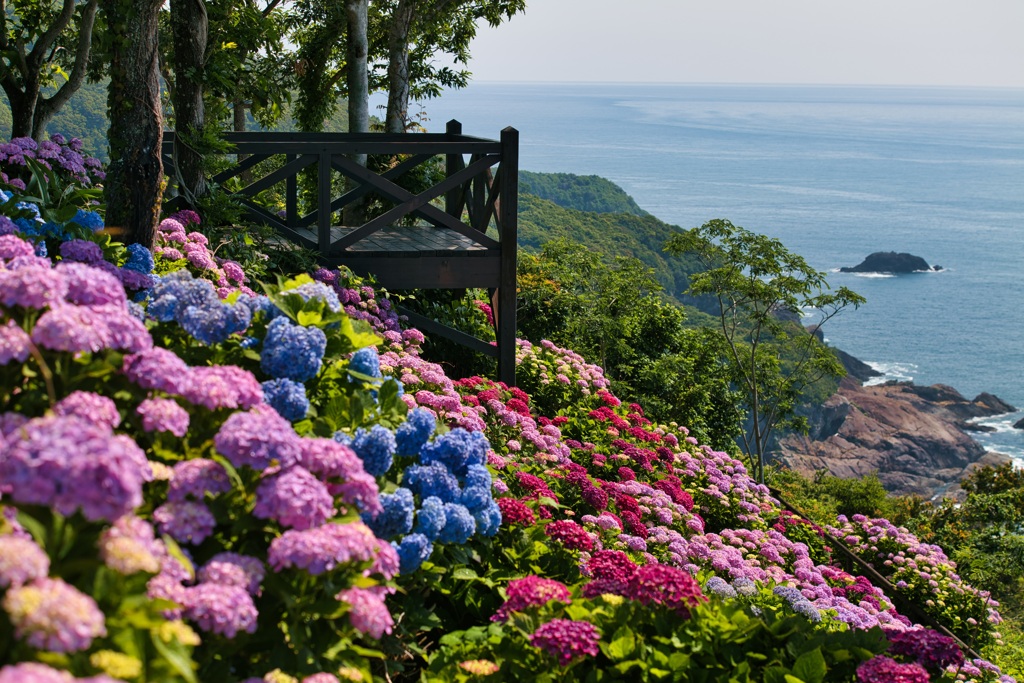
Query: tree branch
point(47, 106)
point(67, 12)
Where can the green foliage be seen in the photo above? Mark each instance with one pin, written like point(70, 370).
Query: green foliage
point(715, 641)
point(611, 235)
point(614, 317)
point(825, 496)
point(757, 282)
point(984, 533)
point(582, 193)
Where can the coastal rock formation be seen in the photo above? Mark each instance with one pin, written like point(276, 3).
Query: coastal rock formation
point(912, 436)
point(1019, 424)
point(890, 262)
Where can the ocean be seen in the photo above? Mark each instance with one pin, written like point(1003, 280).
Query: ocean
point(836, 173)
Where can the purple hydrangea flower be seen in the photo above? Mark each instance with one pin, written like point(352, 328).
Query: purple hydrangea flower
point(81, 251)
point(15, 344)
point(185, 521)
point(158, 369)
point(21, 561)
point(368, 613)
point(89, 286)
point(323, 548)
point(32, 286)
point(221, 609)
point(234, 569)
point(90, 407)
point(49, 614)
point(295, 498)
point(12, 246)
point(163, 415)
point(258, 438)
point(72, 465)
point(223, 386)
point(566, 640)
point(34, 672)
point(195, 478)
point(130, 546)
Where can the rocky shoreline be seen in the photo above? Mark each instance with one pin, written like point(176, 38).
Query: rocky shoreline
point(915, 437)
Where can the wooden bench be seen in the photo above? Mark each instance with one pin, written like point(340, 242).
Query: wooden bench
point(434, 239)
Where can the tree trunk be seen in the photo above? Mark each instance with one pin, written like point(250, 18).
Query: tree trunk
point(357, 80)
point(135, 179)
point(398, 67)
point(190, 28)
point(23, 110)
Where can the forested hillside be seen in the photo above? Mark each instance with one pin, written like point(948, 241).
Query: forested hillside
point(580, 192)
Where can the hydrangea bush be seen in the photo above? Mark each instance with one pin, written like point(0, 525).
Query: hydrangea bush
point(278, 487)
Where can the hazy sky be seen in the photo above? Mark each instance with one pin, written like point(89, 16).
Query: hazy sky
point(912, 42)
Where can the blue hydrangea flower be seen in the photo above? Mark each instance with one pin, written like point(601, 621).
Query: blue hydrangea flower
point(488, 519)
point(457, 450)
point(259, 304)
point(140, 259)
point(317, 290)
point(292, 351)
point(27, 226)
point(376, 448)
point(397, 516)
point(286, 397)
point(412, 552)
point(90, 220)
point(54, 230)
point(476, 498)
point(418, 427)
point(430, 518)
point(177, 291)
point(478, 475)
point(459, 524)
point(432, 480)
point(41, 250)
point(365, 361)
point(214, 322)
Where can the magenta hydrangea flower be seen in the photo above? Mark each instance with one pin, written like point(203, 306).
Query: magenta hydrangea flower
point(295, 498)
point(258, 438)
point(662, 584)
point(15, 344)
point(232, 569)
point(49, 614)
point(570, 534)
point(32, 286)
point(89, 286)
point(882, 669)
point(89, 406)
point(195, 478)
point(163, 415)
point(21, 561)
point(223, 386)
point(530, 591)
point(130, 546)
point(185, 521)
point(566, 640)
point(221, 609)
point(368, 613)
point(323, 548)
point(158, 369)
point(72, 465)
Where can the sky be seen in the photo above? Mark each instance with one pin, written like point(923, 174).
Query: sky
point(856, 42)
